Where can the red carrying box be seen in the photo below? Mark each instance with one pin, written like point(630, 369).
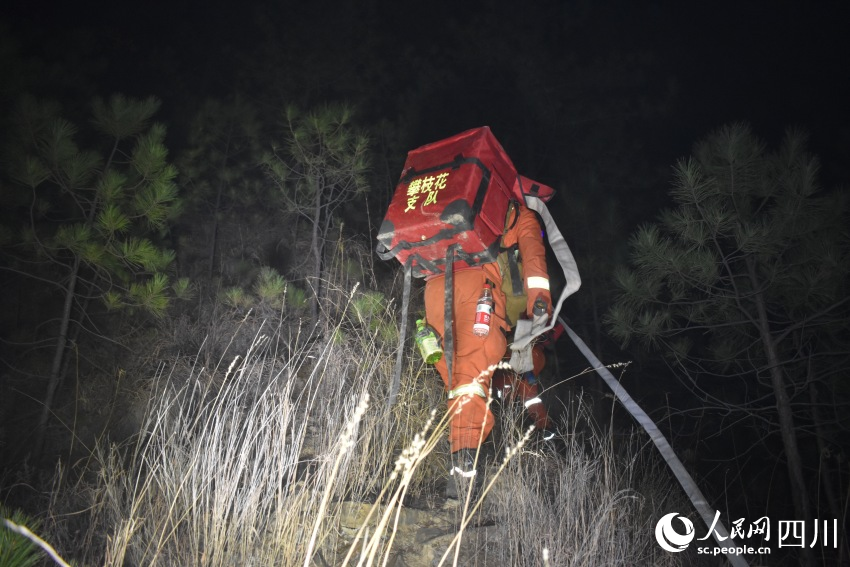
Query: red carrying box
point(456, 190)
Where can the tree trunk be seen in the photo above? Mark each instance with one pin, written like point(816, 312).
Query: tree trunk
point(825, 467)
point(323, 240)
point(317, 252)
point(214, 236)
point(799, 494)
point(58, 357)
point(216, 209)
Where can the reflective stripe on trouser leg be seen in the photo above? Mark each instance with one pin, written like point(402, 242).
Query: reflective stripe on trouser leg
point(474, 388)
point(471, 420)
point(537, 411)
point(465, 474)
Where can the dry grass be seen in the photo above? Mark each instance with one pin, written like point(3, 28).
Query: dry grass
point(247, 463)
point(250, 462)
point(583, 500)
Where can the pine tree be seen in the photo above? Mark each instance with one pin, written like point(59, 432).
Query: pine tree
point(746, 278)
point(321, 166)
point(84, 221)
point(219, 169)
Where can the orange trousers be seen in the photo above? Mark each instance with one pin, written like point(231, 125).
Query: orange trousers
point(509, 388)
point(471, 419)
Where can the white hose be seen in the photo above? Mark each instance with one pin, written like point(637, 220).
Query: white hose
point(720, 533)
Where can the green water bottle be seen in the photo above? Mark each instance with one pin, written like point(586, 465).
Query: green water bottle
point(426, 340)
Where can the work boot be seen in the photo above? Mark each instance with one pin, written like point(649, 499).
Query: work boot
point(465, 474)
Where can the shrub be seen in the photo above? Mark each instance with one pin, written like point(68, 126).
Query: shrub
point(15, 549)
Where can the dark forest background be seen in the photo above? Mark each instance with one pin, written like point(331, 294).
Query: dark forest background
point(159, 174)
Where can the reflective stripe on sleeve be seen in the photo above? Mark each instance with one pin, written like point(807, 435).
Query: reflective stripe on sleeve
point(532, 401)
point(536, 282)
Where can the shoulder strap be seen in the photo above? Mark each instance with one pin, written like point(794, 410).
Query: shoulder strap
point(513, 207)
point(405, 303)
point(448, 313)
point(514, 270)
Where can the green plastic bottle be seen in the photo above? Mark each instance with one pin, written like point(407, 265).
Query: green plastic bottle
point(426, 340)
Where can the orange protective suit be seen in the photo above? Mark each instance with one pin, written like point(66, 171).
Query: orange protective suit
point(509, 386)
point(471, 419)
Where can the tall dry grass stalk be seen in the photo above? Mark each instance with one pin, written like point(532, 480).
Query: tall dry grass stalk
point(250, 462)
point(588, 498)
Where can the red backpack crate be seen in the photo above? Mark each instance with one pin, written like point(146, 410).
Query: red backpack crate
point(456, 190)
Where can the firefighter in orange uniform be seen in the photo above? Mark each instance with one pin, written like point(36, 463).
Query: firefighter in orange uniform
point(471, 419)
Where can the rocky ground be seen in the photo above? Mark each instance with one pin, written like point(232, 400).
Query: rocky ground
point(424, 534)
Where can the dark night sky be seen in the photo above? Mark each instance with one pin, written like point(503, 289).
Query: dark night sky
point(774, 64)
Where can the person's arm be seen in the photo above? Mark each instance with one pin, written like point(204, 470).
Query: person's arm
point(533, 253)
